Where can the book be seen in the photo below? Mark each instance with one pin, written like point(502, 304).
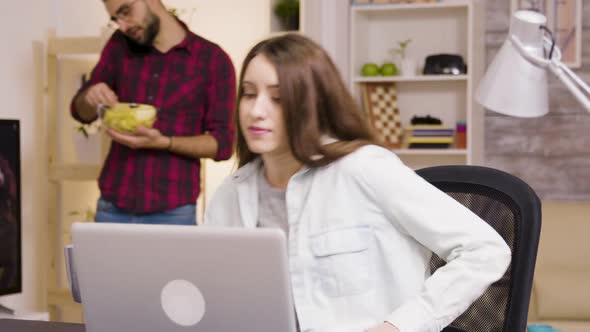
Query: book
point(433, 132)
point(428, 127)
point(432, 139)
point(429, 145)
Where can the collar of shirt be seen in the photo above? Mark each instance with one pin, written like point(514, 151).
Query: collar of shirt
point(247, 170)
point(186, 44)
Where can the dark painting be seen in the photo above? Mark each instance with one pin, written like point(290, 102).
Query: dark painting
point(10, 208)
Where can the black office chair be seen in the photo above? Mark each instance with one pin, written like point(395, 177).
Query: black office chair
point(513, 209)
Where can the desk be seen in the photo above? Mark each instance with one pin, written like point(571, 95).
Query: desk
point(27, 316)
point(18, 325)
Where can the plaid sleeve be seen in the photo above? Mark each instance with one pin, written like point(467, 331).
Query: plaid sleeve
point(104, 71)
point(221, 94)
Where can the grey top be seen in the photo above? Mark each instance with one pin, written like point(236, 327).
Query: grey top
point(272, 212)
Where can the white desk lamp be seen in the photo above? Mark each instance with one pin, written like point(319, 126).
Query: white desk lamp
point(515, 83)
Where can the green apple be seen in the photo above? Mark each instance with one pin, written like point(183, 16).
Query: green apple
point(370, 69)
point(388, 69)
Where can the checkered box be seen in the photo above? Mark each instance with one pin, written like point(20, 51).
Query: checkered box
point(380, 101)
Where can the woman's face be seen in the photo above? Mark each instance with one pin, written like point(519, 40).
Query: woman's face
point(260, 113)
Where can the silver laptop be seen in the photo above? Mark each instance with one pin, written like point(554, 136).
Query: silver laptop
point(155, 278)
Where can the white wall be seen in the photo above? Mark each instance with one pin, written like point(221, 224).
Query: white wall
point(326, 21)
point(78, 17)
point(22, 22)
point(233, 24)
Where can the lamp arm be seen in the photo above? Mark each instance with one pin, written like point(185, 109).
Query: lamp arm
point(574, 84)
point(575, 77)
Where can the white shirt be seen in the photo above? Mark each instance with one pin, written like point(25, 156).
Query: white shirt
point(361, 233)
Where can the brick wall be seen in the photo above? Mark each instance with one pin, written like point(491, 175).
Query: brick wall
point(551, 153)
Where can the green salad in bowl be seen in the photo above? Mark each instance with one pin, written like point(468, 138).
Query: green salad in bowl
point(126, 117)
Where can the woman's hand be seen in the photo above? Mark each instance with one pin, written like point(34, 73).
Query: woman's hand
point(383, 327)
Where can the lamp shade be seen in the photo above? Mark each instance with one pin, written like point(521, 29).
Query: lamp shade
point(513, 85)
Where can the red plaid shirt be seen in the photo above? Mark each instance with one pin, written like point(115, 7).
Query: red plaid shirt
point(193, 88)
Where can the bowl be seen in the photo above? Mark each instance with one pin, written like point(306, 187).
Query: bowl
point(126, 117)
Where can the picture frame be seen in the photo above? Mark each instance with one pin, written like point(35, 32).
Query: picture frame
point(564, 19)
point(11, 275)
point(380, 104)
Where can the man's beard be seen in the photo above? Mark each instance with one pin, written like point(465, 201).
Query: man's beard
point(151, 30)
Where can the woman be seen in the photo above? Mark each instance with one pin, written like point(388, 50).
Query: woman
point(361, 226)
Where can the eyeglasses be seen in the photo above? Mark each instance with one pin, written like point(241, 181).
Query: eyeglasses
point(124, 12)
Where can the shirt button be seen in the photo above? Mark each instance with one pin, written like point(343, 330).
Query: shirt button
point(150, 97)
point(156, 75)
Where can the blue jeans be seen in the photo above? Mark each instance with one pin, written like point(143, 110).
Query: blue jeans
point(109, 212)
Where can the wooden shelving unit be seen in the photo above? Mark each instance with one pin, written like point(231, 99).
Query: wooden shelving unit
point(58, 56)
point(448, 26)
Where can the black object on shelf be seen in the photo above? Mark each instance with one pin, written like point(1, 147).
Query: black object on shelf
point(444, 64)
point(429, 145)
point(425, 120)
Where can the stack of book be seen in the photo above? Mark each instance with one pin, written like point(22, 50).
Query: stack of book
point(429, 136)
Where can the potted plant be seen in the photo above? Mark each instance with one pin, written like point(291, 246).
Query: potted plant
point(184, 14)
point(408, 65)
point(287, 11)
point(87, 143)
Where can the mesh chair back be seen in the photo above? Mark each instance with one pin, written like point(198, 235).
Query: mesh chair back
point(513, 209)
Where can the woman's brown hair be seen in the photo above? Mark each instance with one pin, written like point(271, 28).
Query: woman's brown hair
point(314, 99)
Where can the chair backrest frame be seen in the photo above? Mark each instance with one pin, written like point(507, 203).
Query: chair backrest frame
point(527, 206)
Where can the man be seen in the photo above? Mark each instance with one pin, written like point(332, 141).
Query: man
point(152, 175)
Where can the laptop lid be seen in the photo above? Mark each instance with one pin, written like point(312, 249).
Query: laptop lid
point(135, 277)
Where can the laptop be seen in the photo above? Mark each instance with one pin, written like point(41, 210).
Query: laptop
point(154, 278)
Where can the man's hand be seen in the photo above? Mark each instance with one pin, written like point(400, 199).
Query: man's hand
point(383, 327)
point(87, 102)
point(100, 93)
point(142, 138)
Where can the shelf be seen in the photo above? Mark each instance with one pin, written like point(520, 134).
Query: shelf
point(361, 8)
point(74, 172)
point(60, 296)
point(75, 45)
point(453, 152)
point(417, 78)
point(443, 27)
point(42, 316)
